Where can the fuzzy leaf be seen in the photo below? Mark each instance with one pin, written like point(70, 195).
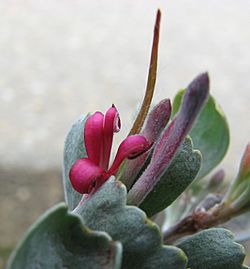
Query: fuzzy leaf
point(171, 139)
point(213, 249)
point(210, 133)
point(175, 179)
point(106, 211)
point(58, 239)
point(240, 226)
point(155, 123)
point(74, 149)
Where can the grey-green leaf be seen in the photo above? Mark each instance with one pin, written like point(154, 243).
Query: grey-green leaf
point(210, 133)
point(141, 238)
point(74, 149)
point(175, 179)
point(213, 249)
point(59, 240)
point(240, 226)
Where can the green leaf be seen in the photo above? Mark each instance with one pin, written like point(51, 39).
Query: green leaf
point(213, 249)
point(106, 211)
point(74, 149)
point(240, 226)
point(175, 180)
point(210, 133)
point(59, 240)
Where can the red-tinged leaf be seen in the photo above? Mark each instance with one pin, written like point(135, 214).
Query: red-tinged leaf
point(155, 123)
point(172, 138)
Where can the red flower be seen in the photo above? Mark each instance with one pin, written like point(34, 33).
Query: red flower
point(90, 173)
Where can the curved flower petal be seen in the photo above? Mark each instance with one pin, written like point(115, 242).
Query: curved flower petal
point(112, 123)
point(130, 148)
point(93, 137)
point(83, 175)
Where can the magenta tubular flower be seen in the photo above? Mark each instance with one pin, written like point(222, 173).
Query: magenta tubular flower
point(88, 174)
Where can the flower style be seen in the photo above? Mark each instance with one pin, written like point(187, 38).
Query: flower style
point(88, 174)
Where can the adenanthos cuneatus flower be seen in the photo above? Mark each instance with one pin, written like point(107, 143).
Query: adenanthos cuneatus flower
point(142, 174)
point(90, 173)
point(93, 171)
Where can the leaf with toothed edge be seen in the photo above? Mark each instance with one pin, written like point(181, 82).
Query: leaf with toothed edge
point(213, 249)
point(141, 239)
point(58, 239)
point(74, 149)
point(171, 139)
point(177, 177)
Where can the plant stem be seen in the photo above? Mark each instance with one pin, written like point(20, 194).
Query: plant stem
point(199, 220)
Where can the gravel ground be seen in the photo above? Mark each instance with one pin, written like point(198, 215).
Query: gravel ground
point(63, 58)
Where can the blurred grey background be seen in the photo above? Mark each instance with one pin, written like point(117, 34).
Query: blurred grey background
point(59, 59)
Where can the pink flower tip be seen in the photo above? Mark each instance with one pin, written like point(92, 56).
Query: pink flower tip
point(130, 148)
point(84, 174)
